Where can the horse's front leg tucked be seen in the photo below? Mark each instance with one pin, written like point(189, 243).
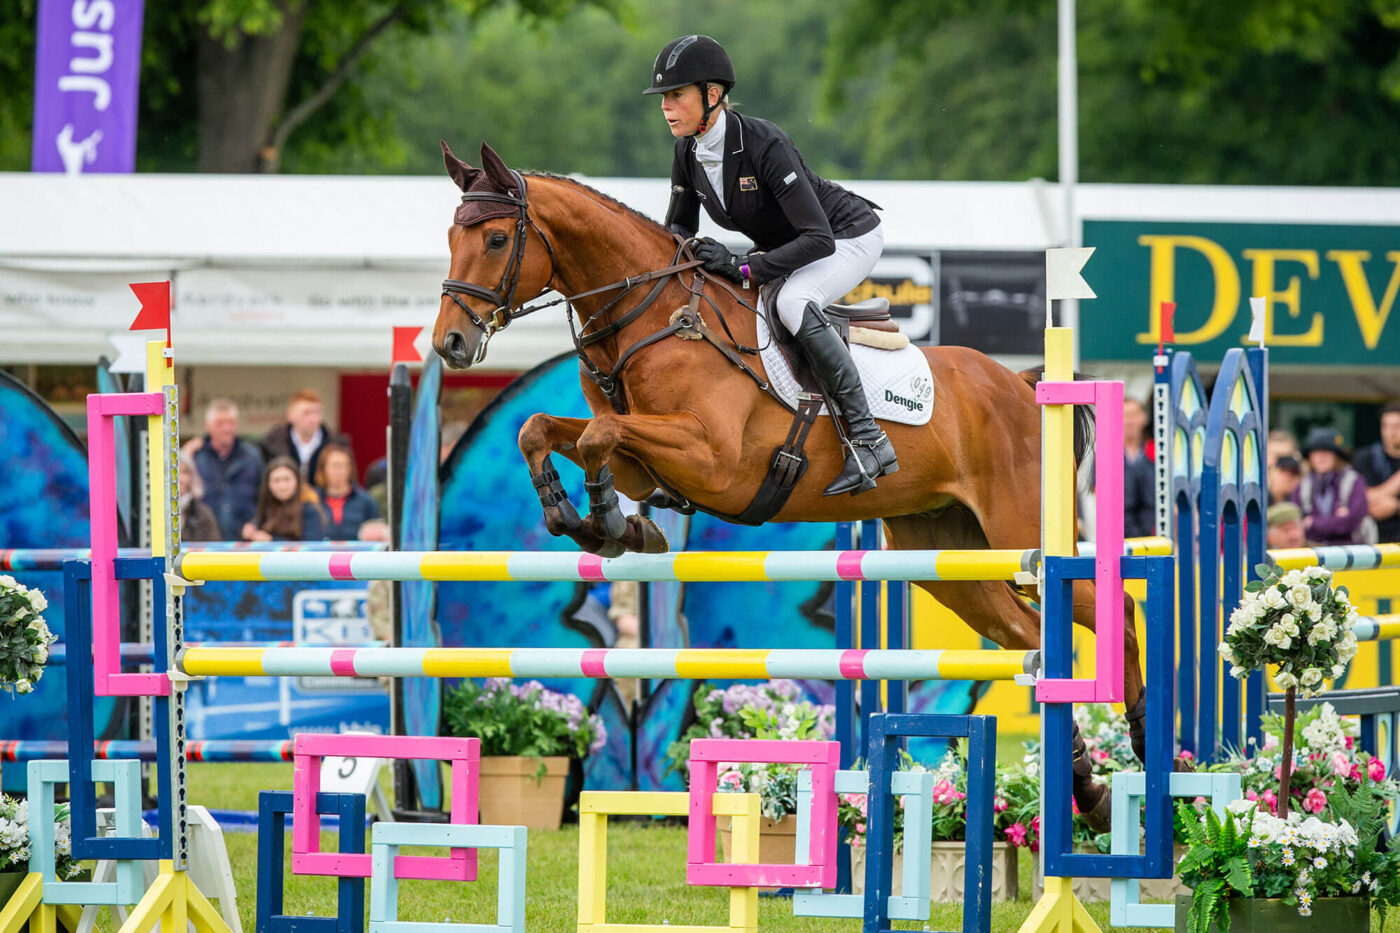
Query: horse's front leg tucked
point(671, 444)
point(540, 436)
point(605, 530)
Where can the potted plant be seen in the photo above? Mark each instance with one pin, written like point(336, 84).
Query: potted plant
point(1265, 864)
point(24, 636)
point(1255, 870)
point(14, 845)
point(949, 821)
point(528, 736)
point(776, 709)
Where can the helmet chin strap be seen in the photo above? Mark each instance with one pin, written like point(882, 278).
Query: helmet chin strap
point(709, 108)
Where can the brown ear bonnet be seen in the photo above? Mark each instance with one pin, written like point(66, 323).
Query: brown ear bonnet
point(493, 177)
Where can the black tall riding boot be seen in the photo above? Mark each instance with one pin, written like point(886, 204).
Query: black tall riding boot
point(871, 454)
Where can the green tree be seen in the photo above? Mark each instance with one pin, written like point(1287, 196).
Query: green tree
point(230, 85)
point(1249, 92)
point(566, 95)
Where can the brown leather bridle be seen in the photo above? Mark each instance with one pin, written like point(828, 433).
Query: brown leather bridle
point(502, 297)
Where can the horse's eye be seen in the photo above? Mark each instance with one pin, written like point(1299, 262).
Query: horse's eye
point(496, 240)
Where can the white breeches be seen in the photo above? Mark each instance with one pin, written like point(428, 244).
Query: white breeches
point(828, 279)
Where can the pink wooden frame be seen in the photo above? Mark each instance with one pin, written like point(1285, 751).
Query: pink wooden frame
point(108, 679)
point(823, 758)
point(309, 748)
point(1107, 684)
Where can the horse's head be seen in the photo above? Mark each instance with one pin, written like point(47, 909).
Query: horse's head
point(496, 262)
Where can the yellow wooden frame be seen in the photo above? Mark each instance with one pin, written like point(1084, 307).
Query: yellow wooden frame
point(26, 907)
point(594, 809)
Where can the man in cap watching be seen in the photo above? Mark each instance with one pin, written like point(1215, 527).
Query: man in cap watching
point(1285, 526)
point(1332, 496)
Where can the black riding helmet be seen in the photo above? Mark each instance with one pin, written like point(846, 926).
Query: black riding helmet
point(692, 60)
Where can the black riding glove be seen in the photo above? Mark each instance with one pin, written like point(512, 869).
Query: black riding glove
point(718, 259)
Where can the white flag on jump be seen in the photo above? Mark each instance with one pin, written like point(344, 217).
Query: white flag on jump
point(1062, 268)
point(1257, 307)
point(131, 353)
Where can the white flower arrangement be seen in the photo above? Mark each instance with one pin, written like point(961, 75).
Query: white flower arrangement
point(24, 636)
point(1297, 621)
point(14, 838)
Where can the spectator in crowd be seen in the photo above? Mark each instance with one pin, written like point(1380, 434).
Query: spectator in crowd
point(197, 520)
point(304, 435)
point(1285, 526)
point(1333, 495)
point(349, 505)
point(231, 469)
point(1284, 476)
point(288, 509)
point(1281, 443)
point(1379, 466)
point(1139, 476)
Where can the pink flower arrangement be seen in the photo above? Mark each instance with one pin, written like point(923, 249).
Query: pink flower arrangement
point(1375, 769)
point(1315, 801)
point(1016, 834)
point(944, 792)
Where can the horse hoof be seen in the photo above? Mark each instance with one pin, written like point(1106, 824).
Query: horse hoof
point(644, 536)
point(1095, 804)
point(611, 548)
point(1183, 765)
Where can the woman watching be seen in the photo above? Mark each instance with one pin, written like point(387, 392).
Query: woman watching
point(348, 504)
point(288, 509)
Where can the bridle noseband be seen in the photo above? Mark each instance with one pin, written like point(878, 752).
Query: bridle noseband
point(502, 297)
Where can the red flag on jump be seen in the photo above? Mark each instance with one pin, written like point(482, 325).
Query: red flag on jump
point(155, 310)
point(1167, 331)
point(404, 350)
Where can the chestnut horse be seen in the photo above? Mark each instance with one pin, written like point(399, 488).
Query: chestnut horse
point(698, 426)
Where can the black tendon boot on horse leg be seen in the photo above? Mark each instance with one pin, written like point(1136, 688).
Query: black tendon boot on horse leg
point(1093, 798)
point(605, 517)
point(1138, 734)
point(870, 454)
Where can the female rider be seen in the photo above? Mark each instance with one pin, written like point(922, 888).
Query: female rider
point(752, 179)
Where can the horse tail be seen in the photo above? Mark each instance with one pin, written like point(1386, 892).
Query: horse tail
point(1083, 418)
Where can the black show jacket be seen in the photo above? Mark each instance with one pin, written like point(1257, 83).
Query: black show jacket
point(792, 214)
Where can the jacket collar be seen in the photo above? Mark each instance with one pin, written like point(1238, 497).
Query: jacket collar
point(733, 146)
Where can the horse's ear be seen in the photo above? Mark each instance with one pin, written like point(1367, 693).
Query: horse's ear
point(461, 173)
point(496, 169)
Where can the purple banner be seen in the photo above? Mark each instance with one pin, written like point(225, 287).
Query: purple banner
point(85, 81)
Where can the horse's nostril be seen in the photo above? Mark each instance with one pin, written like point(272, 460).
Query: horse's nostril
point(456, 344)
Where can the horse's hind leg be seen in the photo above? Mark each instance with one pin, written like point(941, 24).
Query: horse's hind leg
point(995, 611)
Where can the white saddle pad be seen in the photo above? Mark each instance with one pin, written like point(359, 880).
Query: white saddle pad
point(898, 383)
